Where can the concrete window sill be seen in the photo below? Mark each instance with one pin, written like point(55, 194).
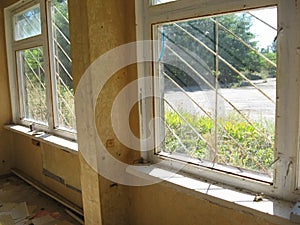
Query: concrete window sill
point(273, 210)
point(50, 139)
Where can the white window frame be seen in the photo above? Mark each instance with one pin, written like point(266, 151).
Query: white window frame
point(44, 40)
point(286, 182)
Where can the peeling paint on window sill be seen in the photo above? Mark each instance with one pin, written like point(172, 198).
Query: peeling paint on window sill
point(273, 210)
point(50, 139)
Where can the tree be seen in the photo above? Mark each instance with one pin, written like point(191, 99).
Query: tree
point(229, 47)
point(270, 53)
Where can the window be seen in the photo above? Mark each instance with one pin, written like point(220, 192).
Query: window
point(40, 65)
point(218, 100)
point(27, 23)
point(157, 2)
point(32, 84)
point(220, 78)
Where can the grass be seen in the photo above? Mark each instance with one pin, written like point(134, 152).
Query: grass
point(231, 141)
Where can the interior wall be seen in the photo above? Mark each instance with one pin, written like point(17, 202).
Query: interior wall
point(162, 204)
point(96, 27)
point(6, 159)
point(51, 166)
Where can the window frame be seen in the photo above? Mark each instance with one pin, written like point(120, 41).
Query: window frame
point(43, 40)
point(286, 176)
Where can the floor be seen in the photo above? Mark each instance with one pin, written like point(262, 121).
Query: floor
point(21, 204)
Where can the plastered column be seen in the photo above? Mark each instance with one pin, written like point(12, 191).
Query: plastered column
point(96, 27)
point(79, 34)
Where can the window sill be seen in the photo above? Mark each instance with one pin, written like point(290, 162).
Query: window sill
point(50, 139)
point(273, 210)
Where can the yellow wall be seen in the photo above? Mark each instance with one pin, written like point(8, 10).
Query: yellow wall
point(5, 108)
point(96, 27)
point(160, 204)
point(18, 151)
point(35, 160)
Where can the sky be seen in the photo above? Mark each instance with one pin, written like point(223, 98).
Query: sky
point(264, 34)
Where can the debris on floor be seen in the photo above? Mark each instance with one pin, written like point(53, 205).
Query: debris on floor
point(21, 204)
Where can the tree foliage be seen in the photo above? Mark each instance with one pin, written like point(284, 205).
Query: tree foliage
point(197, 35)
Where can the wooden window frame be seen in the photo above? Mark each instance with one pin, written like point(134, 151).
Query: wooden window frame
point(44, 40)
point(286, 176)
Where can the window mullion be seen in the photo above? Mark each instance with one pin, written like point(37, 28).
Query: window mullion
point(52, 66)
point(287, 99)
point(145, 105)
point(47, 57)
point(28, 43)
point(216, 46)
point(20, 81)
